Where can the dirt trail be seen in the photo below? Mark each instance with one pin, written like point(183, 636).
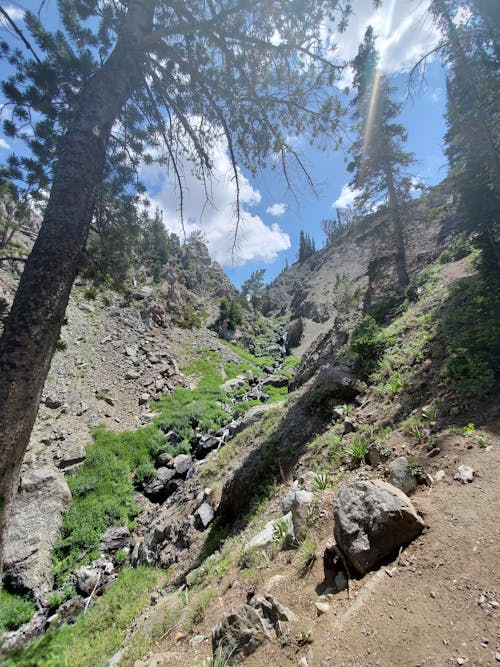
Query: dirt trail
point(439, 607)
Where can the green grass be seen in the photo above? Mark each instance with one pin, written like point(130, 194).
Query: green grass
point(103, 488)
point(103, 494)
point(14, 611)
point(99, 633)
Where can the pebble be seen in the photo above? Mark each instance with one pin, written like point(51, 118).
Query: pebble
point(321, 607)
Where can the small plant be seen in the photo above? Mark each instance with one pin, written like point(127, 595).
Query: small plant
point(395, 385)
point(414, 469)
point(323, 480)
point(281, 532)
point(61, 345)
point(308, 554)
point(100, 395)
point(185, 596)
point(430, 414)
point(198, 608)
point(469, 430)
point(56, 598)
point(120, 557)
point(304, 636)
point(482, 441)
point(90, 293)
point(357, 450)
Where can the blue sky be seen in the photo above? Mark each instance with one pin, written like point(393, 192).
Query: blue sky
point(274, 216)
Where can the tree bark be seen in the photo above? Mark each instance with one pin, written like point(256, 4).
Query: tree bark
point(397, 230)
point(34, 322)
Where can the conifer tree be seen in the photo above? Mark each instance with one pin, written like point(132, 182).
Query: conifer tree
point(307, 247)
point(470, 53)
point(379, 160)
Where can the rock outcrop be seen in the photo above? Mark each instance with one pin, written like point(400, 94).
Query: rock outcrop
point(34, 529)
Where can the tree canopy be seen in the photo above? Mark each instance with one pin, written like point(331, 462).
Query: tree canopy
point(379, 160)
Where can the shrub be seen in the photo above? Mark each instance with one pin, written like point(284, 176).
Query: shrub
point(145, 473)
point(14, 611)
point(368, 341)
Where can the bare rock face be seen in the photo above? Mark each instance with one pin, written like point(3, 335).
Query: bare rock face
point(372, 520)
point(42, 498)
point(239, 633)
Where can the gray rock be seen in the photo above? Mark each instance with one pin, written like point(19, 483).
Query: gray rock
point(266, 535)
point(115, 538)
point(88, 579)
point(162, 486)
point(252, 416)
point(71, 454)
point(42, 498)
point(132, 375)
point(204, 516)
point(233, 385)
point(53, 403)
point(464, 474)
point(163, 459)
point(272, 610)
point(206, 445)
point(372, 520)
point(398, 474)
point(239, 633)
point(182, 463)
point(276, 381)
point(301, 507)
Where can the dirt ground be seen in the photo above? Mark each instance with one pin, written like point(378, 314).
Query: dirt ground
point(435, 605)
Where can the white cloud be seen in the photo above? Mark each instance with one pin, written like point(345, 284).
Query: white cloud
point(256, 241)
point(15, 13)
point(404, 29)
point(346, 197)
point(276, 209)
point(4, 144)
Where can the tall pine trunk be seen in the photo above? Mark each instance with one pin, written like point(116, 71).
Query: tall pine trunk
point(397, 230)
point(34, 323)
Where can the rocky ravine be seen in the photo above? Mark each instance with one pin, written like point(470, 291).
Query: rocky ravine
point(113, 360)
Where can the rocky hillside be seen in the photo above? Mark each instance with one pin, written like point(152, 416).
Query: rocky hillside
point(358, 268)
point(338, 513)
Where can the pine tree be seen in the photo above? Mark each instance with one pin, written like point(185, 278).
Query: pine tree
point(379, 160)
point(473, 119)
point(91, 99)
point(307, 247)
point(253, 288)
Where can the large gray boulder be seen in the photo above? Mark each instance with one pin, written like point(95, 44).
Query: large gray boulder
point(42, 498)
point(239, 633)
point(372, 520)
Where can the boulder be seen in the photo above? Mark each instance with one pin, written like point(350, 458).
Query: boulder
point(182, 463)
point(233, 385)
point(42, 498)
point(204, 516)
point(239, 633)
point(272, 610)
point(206, 445)
point(276, 381)
point(373, 519)
point(398, 474)
point(88, 579)
point(115, 538)
point(300, 508)
point(162, 486)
